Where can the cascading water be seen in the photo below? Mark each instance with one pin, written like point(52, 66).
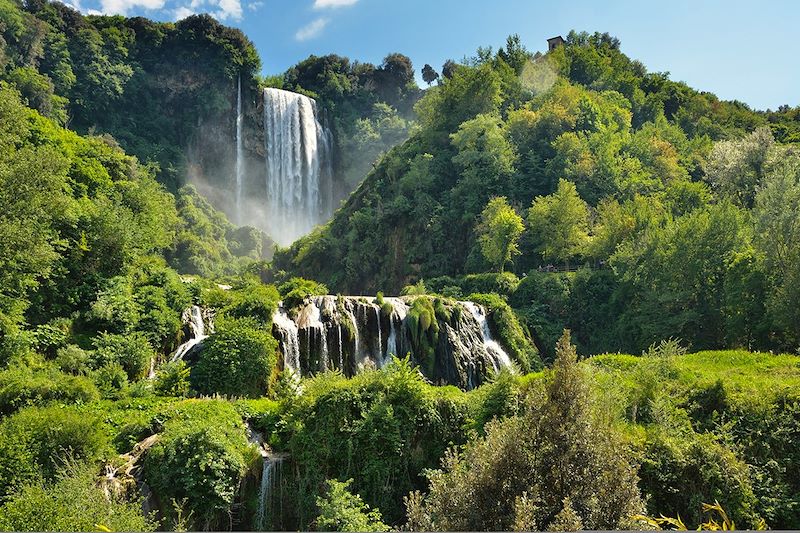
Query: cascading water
point(290, 338)
point(299, 165)
point(380, 340)
point(239, 152)
point(194, 317)
point(500, 358)
point(341, 350)
point(270, 476)
point(464, 353)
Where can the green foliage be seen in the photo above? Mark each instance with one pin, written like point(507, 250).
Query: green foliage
point(172, 379)
point(37, 442)
point(559, 223)
point(22, 386)
point(380, 428)
point(73, 502)
point(133, 352)
point(340, 510)
point(236, 361)
point(498, 232)
point(480, 487)
point(201, 457)
point(296, 290)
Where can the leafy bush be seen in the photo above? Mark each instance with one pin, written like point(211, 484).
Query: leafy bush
point(37, 442)
point(200, 458)
point(236, 361)
point(73, 359)
point(132, 351)
point(294, 291)
point(681, 472)
point(22, 386)
point(507, 477)
point(254, 301)
point(381, 428)
point(74, 502)
point(111, 379)
point(172, 379)
point(341, 510)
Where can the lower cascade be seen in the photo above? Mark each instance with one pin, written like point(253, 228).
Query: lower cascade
point(353, 333)
point(196, 319)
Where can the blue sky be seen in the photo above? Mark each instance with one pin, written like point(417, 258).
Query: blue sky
point(736, 49)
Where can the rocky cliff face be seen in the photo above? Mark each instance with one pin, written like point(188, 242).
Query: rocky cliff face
point(454, 345)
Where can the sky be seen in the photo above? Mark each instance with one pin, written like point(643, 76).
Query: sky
point(737, 49)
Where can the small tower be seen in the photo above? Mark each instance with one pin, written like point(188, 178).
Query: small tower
point(554, 42)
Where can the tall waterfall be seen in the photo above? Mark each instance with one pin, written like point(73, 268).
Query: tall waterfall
point(299, 165)
point(239, 152)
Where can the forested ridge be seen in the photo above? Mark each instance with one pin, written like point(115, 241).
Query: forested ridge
point(633, 242)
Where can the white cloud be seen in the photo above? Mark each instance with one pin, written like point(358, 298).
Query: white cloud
point(322, 4)
point(182, 12)
point(220, 9)
point(122, 7)
point(229, 9)
point(311, 30)
point(255, 6)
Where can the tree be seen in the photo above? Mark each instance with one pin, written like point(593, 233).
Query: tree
point(448, 68)
point(428, 74)
point(341, 510)
point(560, 223)
point(557, 464)
point(776, 214)
point(499, 231)
point(735, 168)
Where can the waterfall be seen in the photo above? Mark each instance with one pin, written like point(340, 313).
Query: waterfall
point(464, 355)
point(391, 343)
point(270, 476)
point(357, 351)
point(290, 337)
point(298, 159)
point(341, 352)
point(194, 317)
point(499, 357)
point(239, 152)
point(323, 360)
point(379, 351)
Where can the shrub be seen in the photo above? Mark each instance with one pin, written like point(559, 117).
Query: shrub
point(132, 351)
point(255, 301)
point(73, 503)
point(200, 458)
point(508, 477)
point(236, 361)
point(341, 510)
point(111, 379)
point(74, 360)
point(172, 379)
point(36, 442)
point(22, 386)
point(294, 291)
point(681, 472)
